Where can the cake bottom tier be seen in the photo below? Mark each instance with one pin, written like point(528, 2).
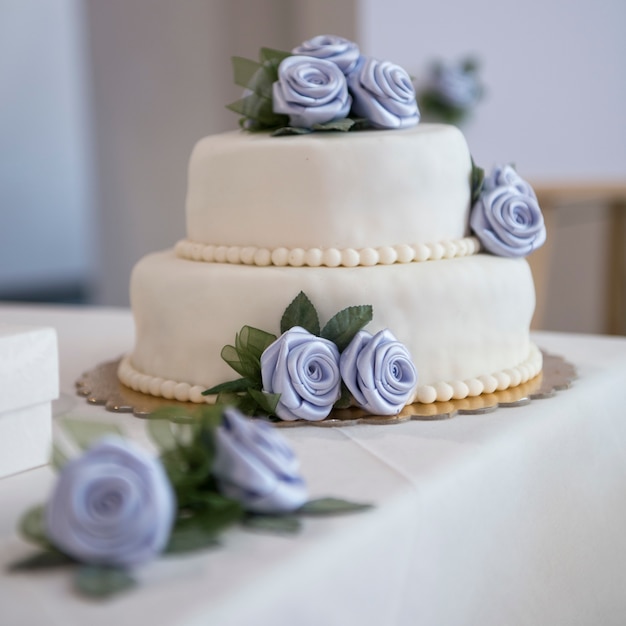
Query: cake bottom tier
point(465, 320)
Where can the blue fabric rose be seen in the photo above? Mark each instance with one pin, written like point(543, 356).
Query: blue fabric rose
point(383, 94)
point(310, 91)
point(378, 372)
point(255, 465)
point(508, 222)
point(304, 369)
point(114, 505)
point(343, 52)
point(506, 176)
point(456, 86)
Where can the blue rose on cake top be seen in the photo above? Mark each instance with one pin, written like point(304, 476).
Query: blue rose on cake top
point(323, 84)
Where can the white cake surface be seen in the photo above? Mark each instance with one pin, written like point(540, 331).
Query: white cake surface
point(461, 319)
point(366, 217)
point(362, 189)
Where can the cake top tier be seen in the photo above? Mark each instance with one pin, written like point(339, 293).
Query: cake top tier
point(322, 190)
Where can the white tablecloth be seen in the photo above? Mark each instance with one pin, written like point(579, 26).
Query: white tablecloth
point(516, 517)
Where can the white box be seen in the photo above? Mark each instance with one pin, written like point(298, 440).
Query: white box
point(29, 381)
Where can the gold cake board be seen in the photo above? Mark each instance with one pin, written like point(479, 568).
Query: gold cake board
point(100, 386)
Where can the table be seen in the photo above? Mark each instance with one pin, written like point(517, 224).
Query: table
point(515, 517)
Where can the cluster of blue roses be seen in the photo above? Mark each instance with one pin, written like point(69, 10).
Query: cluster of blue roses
point(327, 79)
point(307, 372)
point(506, 217)
point(116, 506)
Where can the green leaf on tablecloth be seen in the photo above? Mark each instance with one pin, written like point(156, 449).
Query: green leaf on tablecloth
point(279, 524)
point(32, 527)
point(331, 506)
point(343, 326)
point(207, 515)
point(46, 559)
point(300, 312)
point(86, 433)
point(58, 458)
point(102, 582)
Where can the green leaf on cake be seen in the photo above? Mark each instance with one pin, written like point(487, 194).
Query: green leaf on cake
point(97, 581)
point(300, 312)
point(266, 401)
point(345, 124)
point(477, 180)
point(343, 326)
point(273, 56)
point(254, 341)
point(345, 400)
point(230, 387)
point(244, 70)
point(291, 130)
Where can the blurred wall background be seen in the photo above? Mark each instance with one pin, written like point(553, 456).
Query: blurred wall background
point(101, 103)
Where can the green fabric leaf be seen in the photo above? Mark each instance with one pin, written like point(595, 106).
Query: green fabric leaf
point(33, 528)
point(203, 521)
point(161, 432)
point(232, 386)
point(291, 130)
point(345, 400)
point(344, 325)
point(300, 312)
point(272, 55)
point(59, 458)
point(345, 124)
point(86, 433)
point(102, 582)
point(267, 401)
point(47, 559)
point(244, 70)
point(176, 414)
point(477, 180)
point(258, 109)
point(255, 341)
point(230, 354)
point(279, 524)
point(331, 506)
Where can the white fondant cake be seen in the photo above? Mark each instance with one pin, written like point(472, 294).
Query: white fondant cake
point(368, 217)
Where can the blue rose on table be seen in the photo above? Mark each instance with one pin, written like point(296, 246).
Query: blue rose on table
point(310, 91)
point(343, 52)
point(506, 176)
point(383, 93)
point(304, 370)
point(114, 506)
point(378, 372)
point(508, 222)
point(255, 466)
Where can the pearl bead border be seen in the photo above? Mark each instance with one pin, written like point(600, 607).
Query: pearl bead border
point(426, 394)
point(327, 257)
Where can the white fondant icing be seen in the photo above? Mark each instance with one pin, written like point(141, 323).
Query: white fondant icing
point(330, 190)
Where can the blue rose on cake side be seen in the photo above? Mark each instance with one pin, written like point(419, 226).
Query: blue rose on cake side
point(379, 372)
point(506, 217)
point(113, 506)
point(304, 370)
point(255, 465)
